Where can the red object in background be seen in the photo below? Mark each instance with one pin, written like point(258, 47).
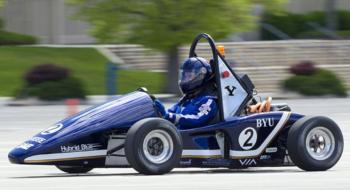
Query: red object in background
point(303, 68)
point(72, 106)
point(225, 74)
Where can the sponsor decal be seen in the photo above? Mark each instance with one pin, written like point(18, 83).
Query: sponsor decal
point(247, 162)
point(205, 108)
point(265, 157)
point(52, 129)
point(25, 146)
point(267, 122)
point(186, 162)
point(247, 138)
point(271, 149)
point(261, 148)
point(216, 162)
point(230, 90)
point(37, 139)
point(80, 147)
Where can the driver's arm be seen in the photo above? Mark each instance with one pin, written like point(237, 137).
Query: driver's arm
point(200, 115)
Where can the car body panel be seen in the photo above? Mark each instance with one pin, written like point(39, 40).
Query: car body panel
point(83, 139)
point(81, 135)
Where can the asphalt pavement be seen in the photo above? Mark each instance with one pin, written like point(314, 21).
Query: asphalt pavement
point(19, 123)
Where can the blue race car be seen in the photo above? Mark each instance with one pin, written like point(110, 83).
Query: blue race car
point(129, 132)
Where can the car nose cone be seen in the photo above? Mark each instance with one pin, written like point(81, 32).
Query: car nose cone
point(22, 151)
point(16, 156)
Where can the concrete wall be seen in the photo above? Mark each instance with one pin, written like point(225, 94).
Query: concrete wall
point(266, 62)
point(49, 20)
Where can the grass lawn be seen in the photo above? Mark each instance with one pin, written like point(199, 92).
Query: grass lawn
point(85, 63)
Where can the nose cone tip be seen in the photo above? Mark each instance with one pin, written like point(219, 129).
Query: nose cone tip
point(16, 157)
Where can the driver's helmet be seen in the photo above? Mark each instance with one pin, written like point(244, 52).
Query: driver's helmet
point(194, 73)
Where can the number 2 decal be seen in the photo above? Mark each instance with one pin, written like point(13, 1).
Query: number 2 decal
point(247, 138)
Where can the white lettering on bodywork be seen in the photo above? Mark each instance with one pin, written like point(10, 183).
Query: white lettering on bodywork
point(25, 146)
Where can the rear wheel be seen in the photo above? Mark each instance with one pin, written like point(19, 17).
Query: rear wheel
point(315, 143)
point(153, 146)
point(74, 169)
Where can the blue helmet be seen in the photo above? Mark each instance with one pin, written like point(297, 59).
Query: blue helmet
point(194, 72)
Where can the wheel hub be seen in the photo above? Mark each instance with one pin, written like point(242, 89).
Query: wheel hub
point(155, 146)
point(158, 146)
point(317, 143)
point(320, 143)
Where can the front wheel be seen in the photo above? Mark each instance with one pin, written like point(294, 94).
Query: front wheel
point(315, 143)
point(153, 146)
point(74, 169)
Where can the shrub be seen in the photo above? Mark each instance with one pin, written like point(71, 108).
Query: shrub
point(322, 82)
point(1, 23)
point(296, 25)
point(51, 82)
point(344, 34)
point(11, 38)
point(343, 20)
point(303, 68)
point(46, 72)
point(57, 90)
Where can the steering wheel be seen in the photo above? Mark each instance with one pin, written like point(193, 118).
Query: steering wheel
point(144, 89)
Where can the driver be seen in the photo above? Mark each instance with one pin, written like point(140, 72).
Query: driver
point(198, 106)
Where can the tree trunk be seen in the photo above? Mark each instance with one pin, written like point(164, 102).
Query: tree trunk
point(172, 71)
point(331, 15)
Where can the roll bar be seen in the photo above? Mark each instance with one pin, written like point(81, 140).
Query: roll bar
point(215, 64)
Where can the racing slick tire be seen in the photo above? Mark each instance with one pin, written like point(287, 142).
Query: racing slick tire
point(315, 143)
point(74, 169)
point(153, 146)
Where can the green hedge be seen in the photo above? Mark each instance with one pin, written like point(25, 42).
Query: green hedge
point(55, 90)
point(344, 34)
point(323, 82)
point(10, 38)
point(1, 23)
point(295, 25)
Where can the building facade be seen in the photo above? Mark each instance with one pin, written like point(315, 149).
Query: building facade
point(50, 20)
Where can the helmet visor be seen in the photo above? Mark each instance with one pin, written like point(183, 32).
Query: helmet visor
point(192, 77)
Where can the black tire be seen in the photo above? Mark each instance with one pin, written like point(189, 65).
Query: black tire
point(74, 169)
point(134, 143)
point(302, 152)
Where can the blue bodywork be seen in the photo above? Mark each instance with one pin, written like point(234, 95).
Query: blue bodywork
point(87, 127)
point(89, 130)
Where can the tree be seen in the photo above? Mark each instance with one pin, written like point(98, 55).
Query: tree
point(331, 15)
point(165, 25)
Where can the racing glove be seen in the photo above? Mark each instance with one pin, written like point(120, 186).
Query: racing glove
point(160, 107)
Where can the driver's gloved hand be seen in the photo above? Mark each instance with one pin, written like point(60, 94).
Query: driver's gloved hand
point(160, 107)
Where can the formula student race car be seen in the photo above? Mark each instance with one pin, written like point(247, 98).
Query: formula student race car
point(129, 132)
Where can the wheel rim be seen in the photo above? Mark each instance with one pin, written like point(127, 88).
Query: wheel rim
point(158, 146)
point(320, 143)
